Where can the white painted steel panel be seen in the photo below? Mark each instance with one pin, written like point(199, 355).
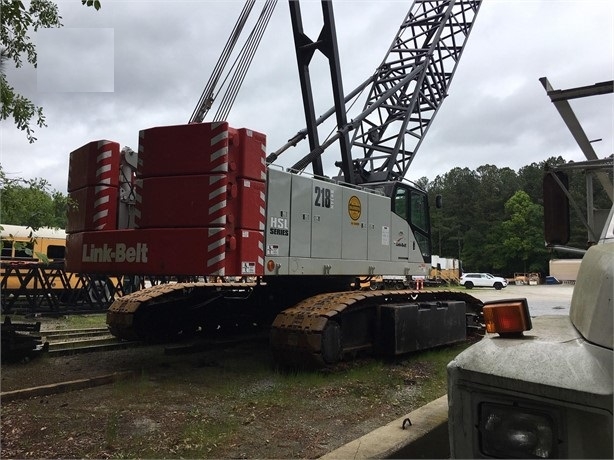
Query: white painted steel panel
point(300, 216)
point(354, 224)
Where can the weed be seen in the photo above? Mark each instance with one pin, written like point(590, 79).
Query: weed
point(199, 437)
point(111, 429)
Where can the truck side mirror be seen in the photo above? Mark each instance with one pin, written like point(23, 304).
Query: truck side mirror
point(556, 208)
point(438, 201)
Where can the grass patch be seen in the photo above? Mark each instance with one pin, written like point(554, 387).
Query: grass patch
point(112, 429)
point(224, 404)
point(63, 322)
point(365, 381)
point(436, 361)
point(201, 436)
point(85, 321)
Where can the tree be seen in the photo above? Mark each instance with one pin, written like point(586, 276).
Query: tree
point(531, 177)
point(458, 189)
point(29, 203)
point(522, 235)
point(16, 22)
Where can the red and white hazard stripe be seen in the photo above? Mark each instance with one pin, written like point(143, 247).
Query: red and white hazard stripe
point(102, 217)
point(219, 147)
point(105, 161)
point(216, 251)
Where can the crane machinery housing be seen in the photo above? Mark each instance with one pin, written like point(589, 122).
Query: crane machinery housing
point(204, 200)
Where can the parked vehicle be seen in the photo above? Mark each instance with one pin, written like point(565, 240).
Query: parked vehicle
point(471, 280)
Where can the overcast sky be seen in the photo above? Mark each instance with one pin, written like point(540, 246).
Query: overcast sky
point(138, 64)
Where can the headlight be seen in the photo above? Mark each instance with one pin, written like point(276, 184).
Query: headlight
point(514, 432)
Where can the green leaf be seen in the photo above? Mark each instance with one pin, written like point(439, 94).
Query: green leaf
point(42, 257)
point(17, 21)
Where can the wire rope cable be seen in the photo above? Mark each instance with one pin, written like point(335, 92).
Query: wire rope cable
point(208, 94)
point(243, 61)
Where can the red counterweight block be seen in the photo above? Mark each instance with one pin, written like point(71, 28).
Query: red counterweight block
point(235, 254)
point(204, 200)
point(96, 163)
point(201, 148)
point(183, 201)
point(92, 208)
point(167, 251)
point(247, 259)
point(249, 206)
point(247, 154)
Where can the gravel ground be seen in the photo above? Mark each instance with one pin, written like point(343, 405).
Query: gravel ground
point(229, 403)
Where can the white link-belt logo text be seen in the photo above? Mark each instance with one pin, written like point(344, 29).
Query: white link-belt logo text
point(118, 253)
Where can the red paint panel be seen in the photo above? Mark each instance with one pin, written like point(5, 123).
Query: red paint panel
point(96, 163)
point(183, 201)
point(92, 208)
point(202, 148)
point(199, 148)
point(171, 251)
point(249, 206)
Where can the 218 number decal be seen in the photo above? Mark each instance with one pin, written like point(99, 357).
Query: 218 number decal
point(323, 197)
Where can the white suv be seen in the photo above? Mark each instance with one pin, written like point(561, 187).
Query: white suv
point(471, 280)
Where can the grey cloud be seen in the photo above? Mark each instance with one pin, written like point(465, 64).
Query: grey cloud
point(164, 51)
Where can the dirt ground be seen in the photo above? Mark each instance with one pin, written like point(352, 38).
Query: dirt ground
point(231, 403)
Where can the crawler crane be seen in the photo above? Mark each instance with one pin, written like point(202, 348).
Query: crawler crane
point(209, 203)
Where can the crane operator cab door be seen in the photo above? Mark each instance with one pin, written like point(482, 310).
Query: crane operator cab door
point(411, 205)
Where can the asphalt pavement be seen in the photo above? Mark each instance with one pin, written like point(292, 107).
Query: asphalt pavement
point(543, 299)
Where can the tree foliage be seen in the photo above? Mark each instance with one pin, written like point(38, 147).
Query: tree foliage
point(17, 22)
point(522, 235)
point(492, 218)
point(31, 203)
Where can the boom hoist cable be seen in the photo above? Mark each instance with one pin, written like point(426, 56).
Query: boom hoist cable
point(244, 60)
point(208, 94)
point(239, 67)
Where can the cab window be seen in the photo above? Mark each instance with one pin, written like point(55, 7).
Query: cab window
point(419, 213)
point(400, 203)
point(412, 206)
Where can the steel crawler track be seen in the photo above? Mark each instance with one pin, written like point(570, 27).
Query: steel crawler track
point(323, 329)
point(319, 330)
point(164, 310)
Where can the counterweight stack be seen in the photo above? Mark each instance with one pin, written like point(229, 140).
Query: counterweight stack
point(200, 192)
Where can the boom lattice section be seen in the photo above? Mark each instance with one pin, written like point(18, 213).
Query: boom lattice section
point(410, 85)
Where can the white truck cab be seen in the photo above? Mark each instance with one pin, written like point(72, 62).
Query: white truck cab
point(548, 392)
